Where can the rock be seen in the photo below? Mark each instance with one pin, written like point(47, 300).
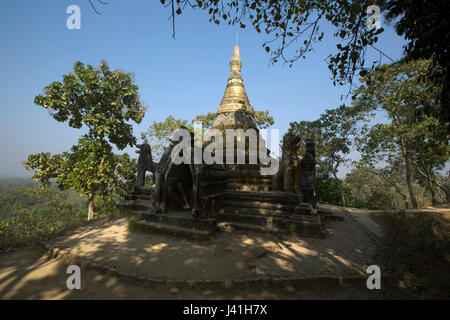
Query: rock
point(261, 252)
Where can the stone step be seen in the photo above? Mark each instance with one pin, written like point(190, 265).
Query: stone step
point(238, 176)
point(181, 221)
point(246, 187)
point(143, 190)
point(263, 196)
point(246, 226)
point(161, 228)
point(256, 218)
point(254, 211)
point(299, 224)
point(136, 205)
point(139, 197)
point(258, 205)
point(303, 210)
point(234, 167)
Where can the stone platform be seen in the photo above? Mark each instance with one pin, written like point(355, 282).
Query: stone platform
point(262, 211)
point(180, 223)
point(235, 257)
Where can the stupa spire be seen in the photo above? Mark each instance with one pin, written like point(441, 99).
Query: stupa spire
point(235, 98)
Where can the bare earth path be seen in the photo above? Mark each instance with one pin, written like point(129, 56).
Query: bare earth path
point(328, 268)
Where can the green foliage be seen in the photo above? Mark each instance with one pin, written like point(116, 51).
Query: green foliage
point(294, 27)
point(101, 99)
point(262, 118)
point(37, 213)
point(423, 24)
point(409, 143)
point(205, 119)
point(159, 133)
point(398, 92)
point(333, 135)
point(378, 188)
point(327, 190)
point(412, 131)
point(380, 199)
point(105, 102)
point(88, 168)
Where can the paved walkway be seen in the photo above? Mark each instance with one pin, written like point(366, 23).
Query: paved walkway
point(346, 251)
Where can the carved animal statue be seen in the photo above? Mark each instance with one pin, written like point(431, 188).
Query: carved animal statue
point(160, 183)
point(145, 162)
point(307, 173)
point(288, 176)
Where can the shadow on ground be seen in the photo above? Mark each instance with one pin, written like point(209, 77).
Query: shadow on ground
point(344, 254)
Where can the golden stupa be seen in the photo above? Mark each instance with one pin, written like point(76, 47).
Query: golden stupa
point(191, 199)
point(235, 110)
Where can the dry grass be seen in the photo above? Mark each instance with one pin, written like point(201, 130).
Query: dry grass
point(420, 252)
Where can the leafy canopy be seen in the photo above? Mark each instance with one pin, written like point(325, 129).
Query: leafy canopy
point(105, 102)
point(294, 27)
point(101, 99)
point(159, 133)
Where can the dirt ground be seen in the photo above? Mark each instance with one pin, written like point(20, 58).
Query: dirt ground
point(28, 273)
point(349, 246)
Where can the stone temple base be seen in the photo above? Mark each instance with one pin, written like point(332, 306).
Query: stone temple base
point(138, 201)
point(179, 223)
point(264, 211)
point(268, 211)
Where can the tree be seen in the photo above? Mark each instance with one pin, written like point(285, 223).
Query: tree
point(423, 24)
point(362, 181)
point(105, 102)
point(430, 153)
point(159, 133)
point(262, 118)
point(399, 92)
point(295, 26)
point(391, 176)
point(101, 99)
point(333, 133)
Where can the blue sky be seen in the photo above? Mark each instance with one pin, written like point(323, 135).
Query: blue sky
point(182, 77)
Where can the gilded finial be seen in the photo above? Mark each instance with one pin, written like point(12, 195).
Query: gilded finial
point(235, 98)
point(236, 54)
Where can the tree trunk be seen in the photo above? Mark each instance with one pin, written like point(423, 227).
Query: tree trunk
point(433, 194)
point(406, 202)
point(404, 197)
point(91, 208)
point(421, 197)
point(340, 188)
point(408, 174)
point(410, 187)
point(446, 191)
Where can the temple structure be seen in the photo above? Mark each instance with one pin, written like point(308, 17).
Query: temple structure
point(199, 199)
